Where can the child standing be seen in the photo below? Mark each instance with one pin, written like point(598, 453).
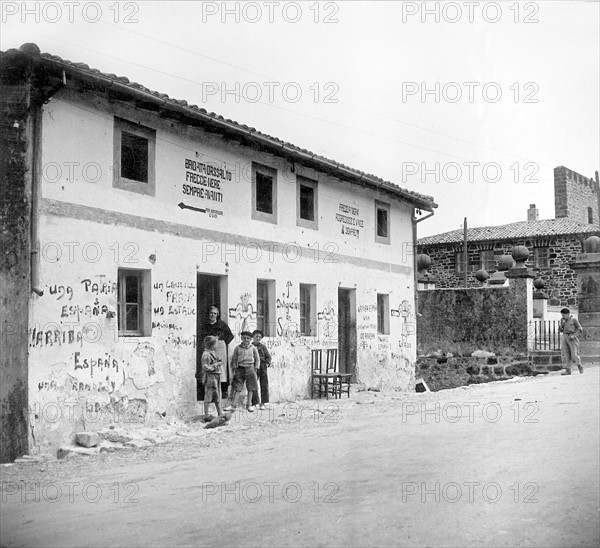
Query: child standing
point(211, 375)
point(265, 362)
point(244, 362)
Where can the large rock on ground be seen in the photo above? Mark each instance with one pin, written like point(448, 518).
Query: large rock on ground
point(88, 439)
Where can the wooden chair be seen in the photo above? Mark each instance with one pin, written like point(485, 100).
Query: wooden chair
point(342, 380)
point(322, 383)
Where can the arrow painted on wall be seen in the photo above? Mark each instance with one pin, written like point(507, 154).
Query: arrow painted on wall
point(185, 206)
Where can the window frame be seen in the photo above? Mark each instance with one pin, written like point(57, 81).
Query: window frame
point(267, 172)
point(483, 260)
point(268, 316)
point(545, 257)
point(308, 315)
point(300, 221)
point(144, 303)
point(458, 263)
point(383, 313)
point(146, 188)
point(384, 206)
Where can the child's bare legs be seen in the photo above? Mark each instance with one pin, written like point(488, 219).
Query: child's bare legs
point(249, 402)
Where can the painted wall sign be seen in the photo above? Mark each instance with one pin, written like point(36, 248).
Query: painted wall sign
point(348, 217)
point(205, 182)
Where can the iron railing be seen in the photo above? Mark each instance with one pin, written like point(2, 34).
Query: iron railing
point(546, 335)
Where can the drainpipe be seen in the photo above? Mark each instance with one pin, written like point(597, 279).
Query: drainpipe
point(36, 109)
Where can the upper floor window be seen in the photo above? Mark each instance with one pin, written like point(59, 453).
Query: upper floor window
point(590, 216)
point(306, 203)
point(264, 193)
point(541, 257)
point(134, 156)
point(382, 222)
point(459, 262)
point(488, 260)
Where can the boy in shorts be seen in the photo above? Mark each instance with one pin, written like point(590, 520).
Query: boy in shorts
point(211, 375)
point(245, 361)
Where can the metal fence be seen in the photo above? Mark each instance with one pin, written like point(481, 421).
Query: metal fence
point(546, 335)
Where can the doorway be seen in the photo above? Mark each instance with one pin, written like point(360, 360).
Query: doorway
point(210, 290)
point(347, 331)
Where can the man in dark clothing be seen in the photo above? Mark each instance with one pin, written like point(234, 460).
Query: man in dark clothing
point(265, 362)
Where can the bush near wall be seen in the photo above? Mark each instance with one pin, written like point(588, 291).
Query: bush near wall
point(461, 321)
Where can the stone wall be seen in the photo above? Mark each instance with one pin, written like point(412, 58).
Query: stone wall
point(15, 192)
point(560, 278)
point(460, 321)
point(574, 194)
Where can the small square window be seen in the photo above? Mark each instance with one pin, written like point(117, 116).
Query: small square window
point(265, 307)
point(306, 203)
point(383, 314)
point(308, 309)
point(134, 155)
point(264, 193)
point(382, 222)
point(133, 303)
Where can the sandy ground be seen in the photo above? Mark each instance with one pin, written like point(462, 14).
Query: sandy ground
point(513, 463)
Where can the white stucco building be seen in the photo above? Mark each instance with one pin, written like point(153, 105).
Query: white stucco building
point(143, 211)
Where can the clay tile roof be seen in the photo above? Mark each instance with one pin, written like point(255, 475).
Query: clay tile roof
point(512, 231)
point(419, 200)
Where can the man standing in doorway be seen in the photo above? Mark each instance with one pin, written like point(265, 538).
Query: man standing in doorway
point(569, 341)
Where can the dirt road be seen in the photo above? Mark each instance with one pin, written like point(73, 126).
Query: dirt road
point(512, 463)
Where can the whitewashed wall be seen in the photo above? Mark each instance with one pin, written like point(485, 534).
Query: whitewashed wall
point(88, 229)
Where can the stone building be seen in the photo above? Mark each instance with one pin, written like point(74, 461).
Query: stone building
point(553, 243)
point(127, 213)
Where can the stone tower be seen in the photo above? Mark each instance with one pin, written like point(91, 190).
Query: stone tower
point(576, 197)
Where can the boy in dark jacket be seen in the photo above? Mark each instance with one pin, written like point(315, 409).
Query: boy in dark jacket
point(265, 362)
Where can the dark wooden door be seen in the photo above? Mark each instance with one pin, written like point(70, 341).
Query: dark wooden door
point(347, 331)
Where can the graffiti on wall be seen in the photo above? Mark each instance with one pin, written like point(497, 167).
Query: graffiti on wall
point(244, 313)
point(405, 312)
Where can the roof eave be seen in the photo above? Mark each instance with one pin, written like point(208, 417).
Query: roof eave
point(425, 203)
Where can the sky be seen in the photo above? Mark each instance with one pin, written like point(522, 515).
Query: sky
point(472, 103)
